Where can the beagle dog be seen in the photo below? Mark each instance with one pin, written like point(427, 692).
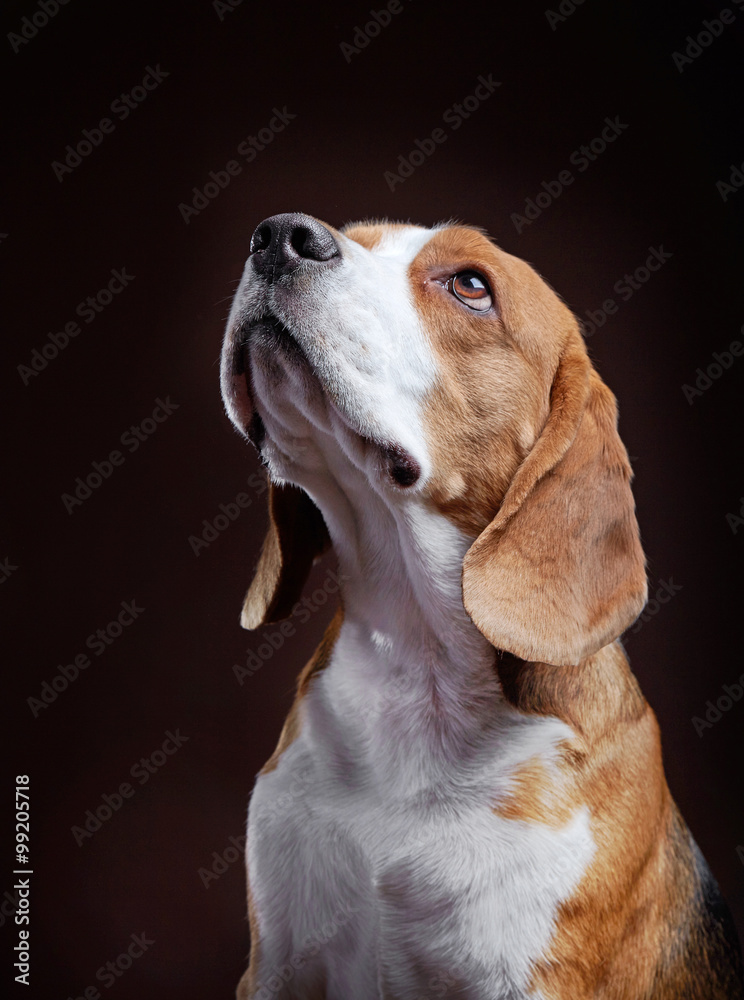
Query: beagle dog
point(467, 799)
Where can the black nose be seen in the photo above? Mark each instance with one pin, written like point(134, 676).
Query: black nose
point(280, 244)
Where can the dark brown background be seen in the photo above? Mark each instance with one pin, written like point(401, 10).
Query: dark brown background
point(161, 337)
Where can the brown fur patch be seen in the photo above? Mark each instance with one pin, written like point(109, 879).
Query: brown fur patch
point(296, 537)
point(527, 460)
point(492, 399)
point(634, 929)
point(370, 234)
point(593, 698)
point(601, 702)
point(536, 797)
point(608, 932)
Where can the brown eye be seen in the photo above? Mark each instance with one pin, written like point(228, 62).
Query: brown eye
point(471, 289)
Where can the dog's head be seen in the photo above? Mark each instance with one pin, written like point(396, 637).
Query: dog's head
point(432, 367)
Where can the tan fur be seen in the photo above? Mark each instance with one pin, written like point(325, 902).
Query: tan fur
point(370, 234)
point(528, 461)
point(492, 399)
point(613, 765)
point(297, 535)
point(527, 454)
point(634, 928)
point(536, 797)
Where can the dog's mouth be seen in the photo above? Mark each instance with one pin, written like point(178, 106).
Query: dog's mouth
point(264, 341)
point(269, 342)
point(272, 337)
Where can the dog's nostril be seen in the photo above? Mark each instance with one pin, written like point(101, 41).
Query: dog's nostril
point(313, 244)
point(261, 238)
point(299, 240)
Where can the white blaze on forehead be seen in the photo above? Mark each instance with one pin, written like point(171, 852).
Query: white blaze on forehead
point(402, 242)
point(377, 308)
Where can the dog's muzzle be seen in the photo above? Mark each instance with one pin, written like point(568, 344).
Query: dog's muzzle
point(280, 246)
point(283, 250)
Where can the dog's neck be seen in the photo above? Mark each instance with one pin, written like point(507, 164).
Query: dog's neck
point(401, 567)
point(413, 681)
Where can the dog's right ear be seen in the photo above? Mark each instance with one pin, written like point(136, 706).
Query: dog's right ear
point(560, 572)
point(297, 536)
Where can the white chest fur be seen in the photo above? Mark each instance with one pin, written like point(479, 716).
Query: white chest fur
point(378, 866)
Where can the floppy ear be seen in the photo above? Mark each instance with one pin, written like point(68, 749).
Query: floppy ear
point(560, 572)
point(297, 535)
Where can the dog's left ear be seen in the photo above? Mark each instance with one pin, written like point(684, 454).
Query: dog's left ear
point(560, 571)
point(297, 536)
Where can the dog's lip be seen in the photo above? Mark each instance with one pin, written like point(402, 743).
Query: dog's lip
point(402, 467)
point(270, 325)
